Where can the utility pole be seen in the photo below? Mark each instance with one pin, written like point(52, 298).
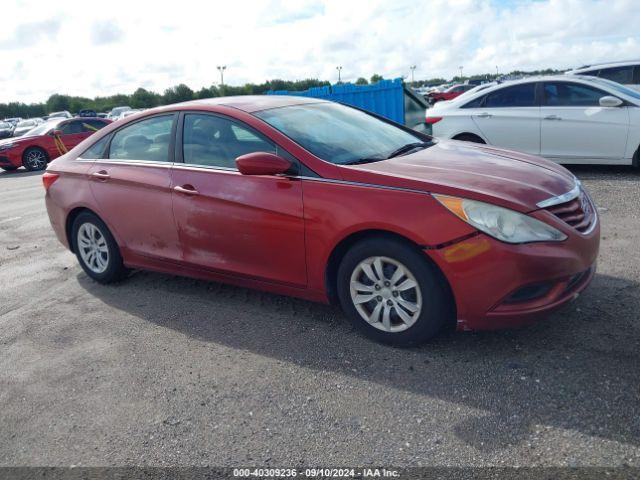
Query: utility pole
point(222, 68)
point(413, 69)
point(339, 68)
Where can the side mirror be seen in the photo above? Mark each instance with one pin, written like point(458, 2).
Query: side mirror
point(262, 163)
point(610, 101)
point(56, 133)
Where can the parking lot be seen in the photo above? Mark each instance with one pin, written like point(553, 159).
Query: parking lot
point(162, 370)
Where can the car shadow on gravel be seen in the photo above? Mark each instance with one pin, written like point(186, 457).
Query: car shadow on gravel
point(576, 370)
point(20, 173)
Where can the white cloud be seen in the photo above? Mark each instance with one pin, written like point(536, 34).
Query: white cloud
point(66, 47)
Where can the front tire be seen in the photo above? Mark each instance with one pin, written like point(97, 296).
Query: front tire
point(96, 249)
point(392, 293)
point(34, 158)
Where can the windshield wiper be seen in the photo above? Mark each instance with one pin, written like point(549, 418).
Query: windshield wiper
point(408, 147)
point(360, 161)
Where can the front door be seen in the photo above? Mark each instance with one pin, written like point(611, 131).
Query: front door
point(242, 225)
point(575, 126)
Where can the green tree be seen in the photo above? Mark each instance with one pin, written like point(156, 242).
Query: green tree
point(57, 102)
point(375, 78)
point(143, 98)
point(362, 81)
point(179, 93)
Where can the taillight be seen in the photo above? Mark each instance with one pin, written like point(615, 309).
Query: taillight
point(48, 178)
point(432, 120)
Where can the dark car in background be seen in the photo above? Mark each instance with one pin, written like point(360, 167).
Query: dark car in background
point(87, 113)
point(6, 129)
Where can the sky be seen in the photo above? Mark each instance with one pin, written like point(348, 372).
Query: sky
point(101, 48)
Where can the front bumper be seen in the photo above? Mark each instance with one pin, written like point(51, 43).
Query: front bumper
point(9, 159)
point(498, 285)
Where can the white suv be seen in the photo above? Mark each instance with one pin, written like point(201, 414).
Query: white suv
point(566, 118)
point(626, 73)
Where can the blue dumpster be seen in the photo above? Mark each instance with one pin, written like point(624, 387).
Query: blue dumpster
point(387, 98)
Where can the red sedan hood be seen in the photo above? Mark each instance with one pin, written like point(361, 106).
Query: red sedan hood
point(511, 179)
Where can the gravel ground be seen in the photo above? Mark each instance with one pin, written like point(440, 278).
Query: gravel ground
point(162, 370)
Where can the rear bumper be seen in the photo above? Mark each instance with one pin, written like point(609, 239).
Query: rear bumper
point(497, 285)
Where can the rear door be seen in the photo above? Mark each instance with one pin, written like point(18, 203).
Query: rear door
point(132, 186)
point(243, 225)
point(575, 128)
point(510, 118)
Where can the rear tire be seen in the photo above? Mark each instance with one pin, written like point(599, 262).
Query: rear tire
point(96, 249)
point(469, 137)
point(35, 158)
point(395, 307)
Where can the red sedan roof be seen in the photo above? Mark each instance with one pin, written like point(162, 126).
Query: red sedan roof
point(254, 103)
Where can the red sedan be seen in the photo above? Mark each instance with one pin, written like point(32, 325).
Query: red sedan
point(450, 93)
point(46, 142)
point(321, 201)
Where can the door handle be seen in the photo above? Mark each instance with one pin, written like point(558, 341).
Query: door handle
point(552, 117)
point(186, 189)
point(484, 115)
point(101, 175)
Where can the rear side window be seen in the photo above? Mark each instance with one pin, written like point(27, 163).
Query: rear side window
point(145, 140)
point(475, 103)
point(517, 96)
point(563, 94)
point(72, 127)
point(97, 149)
point(216, 142)
point(618, 74)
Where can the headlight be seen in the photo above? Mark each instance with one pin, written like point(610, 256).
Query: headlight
point(6, 146)
point(501, 223)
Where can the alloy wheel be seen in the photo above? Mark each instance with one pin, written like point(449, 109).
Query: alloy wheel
point(386, 294)
point(36, 159)
point(93, 249)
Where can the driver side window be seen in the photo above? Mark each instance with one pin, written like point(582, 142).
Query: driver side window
point(214, 141)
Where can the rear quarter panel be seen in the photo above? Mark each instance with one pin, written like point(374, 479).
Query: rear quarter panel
point(70, 191)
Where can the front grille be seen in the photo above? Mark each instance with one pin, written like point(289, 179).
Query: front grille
point(579, 212)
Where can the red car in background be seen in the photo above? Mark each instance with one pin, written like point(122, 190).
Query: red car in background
point(45, 142)
point(322, 201)
point(449, 94)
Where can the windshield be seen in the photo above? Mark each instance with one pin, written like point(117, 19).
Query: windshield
point(336, 133)
point(630, 92)
point(26, 123)
point(40, 129)
point(5, 125)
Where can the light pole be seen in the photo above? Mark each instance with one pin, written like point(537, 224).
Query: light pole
point(339, 68)
point(221, 69)
point(413, 69)
point(460, 67)
point(496, 71)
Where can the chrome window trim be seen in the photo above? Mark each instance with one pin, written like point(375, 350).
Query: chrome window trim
point(134, 163)
point(565, 197)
